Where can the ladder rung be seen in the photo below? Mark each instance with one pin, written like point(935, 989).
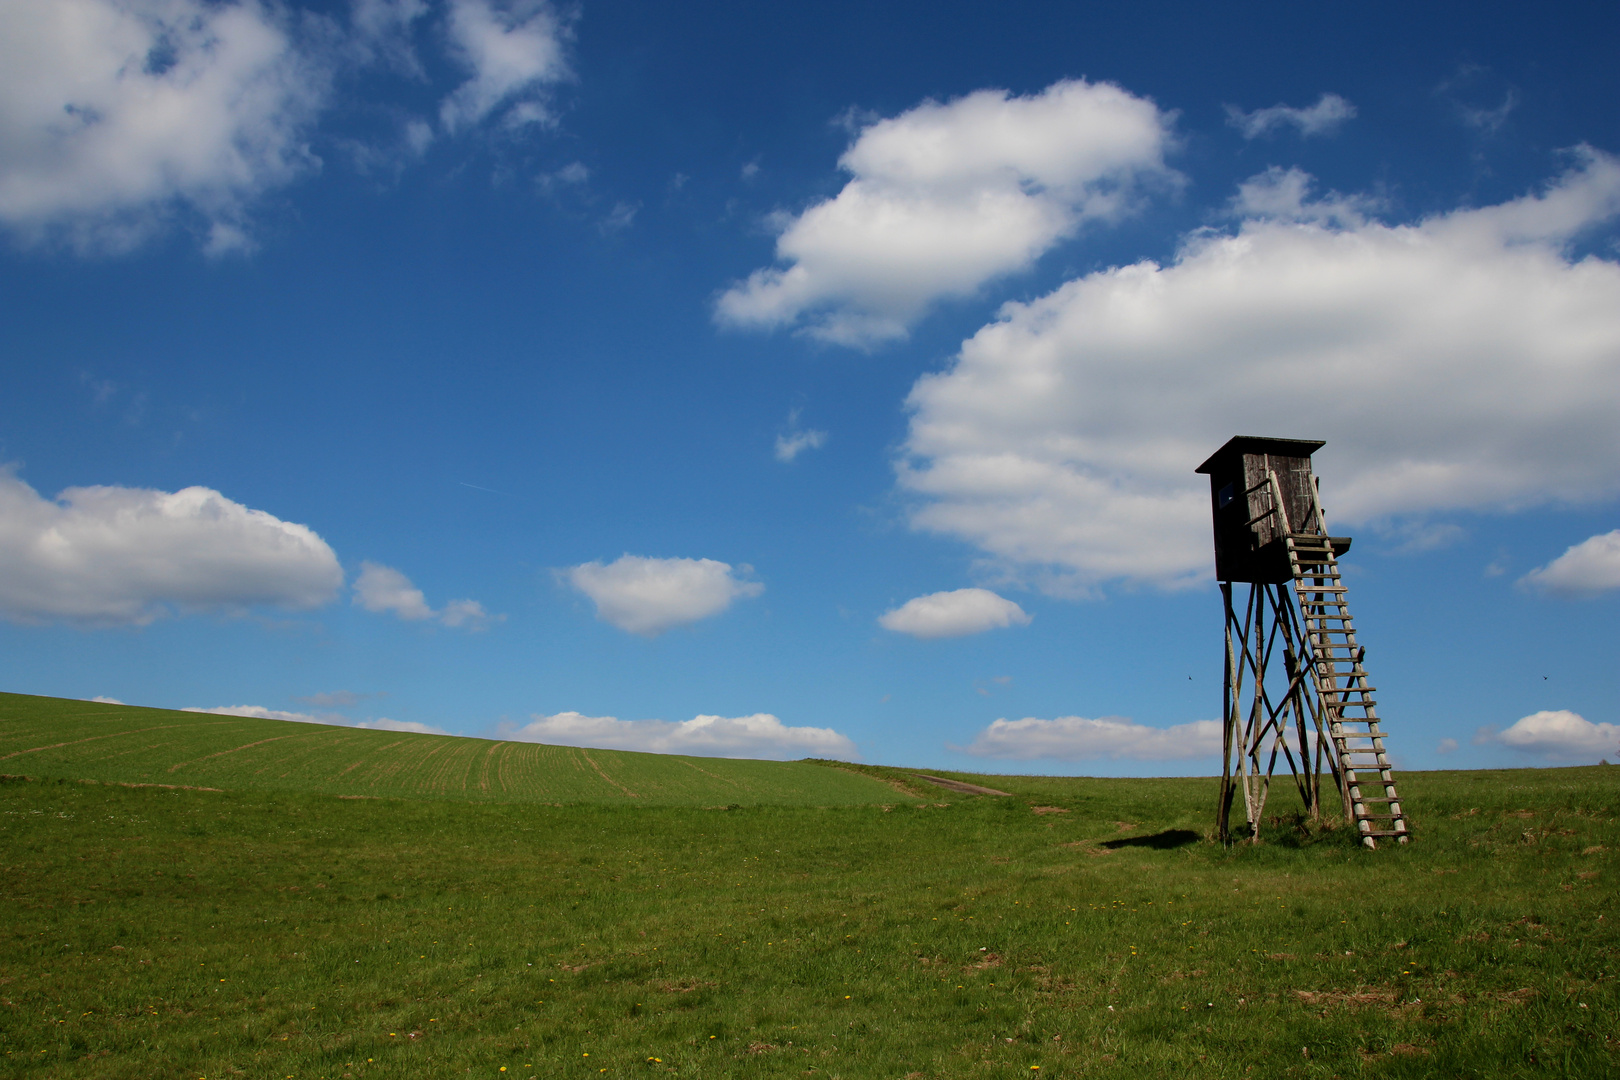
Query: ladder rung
point(1386, 832)
point(1378, 798)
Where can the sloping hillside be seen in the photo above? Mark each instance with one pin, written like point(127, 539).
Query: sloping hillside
point(85, 740)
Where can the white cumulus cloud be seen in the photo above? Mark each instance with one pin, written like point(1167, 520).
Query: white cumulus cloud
point(953, 614)
point(648, 596)
point(1328, 113)
point(119, 117)
point(758, 736)
point(515, 53)
point(1076, 738)
point(1465, 362)
point(383, 589)
point(113, 112)
point(1558, 734)
point(1586, 569)
point(107, 555)
point(945, 197)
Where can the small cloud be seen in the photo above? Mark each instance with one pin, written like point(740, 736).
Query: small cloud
point(1280, 194)
point(1075, 738)
point(1328, 113)
point(1447, 746)
point(1557, 734)
point(619, 218)
point(1489, 120)
point(514, 54)
point(1586, 569)
point(750, 170)
point(1000, 680)
point(381, 588)
point(758, 736)
point(794, 441)
point(1469, 81)
point(791, 445)
point(101, 390)
point(418, 136)
point(106, 700)
point(649, 596)
point(574, 174)
point(953, 614)
point(468, 613)
point(226, 238)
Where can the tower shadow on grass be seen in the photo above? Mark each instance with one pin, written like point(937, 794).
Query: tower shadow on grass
point(1160, 841)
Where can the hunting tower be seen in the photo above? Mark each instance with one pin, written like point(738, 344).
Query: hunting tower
point(1270, 535)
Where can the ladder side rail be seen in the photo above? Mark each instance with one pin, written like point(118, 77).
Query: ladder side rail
point(1356, 683)
point(1321, 666)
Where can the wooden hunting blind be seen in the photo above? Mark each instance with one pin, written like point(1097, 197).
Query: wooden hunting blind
point(1271, 535)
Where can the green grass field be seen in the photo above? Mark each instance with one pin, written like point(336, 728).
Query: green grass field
point(1077, 928)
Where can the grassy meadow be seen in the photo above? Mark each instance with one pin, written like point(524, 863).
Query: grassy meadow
point(1073, 928)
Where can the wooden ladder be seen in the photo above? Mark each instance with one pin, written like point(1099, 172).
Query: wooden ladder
point(1348, 706)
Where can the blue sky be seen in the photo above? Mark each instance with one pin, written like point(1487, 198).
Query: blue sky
point(756, 380)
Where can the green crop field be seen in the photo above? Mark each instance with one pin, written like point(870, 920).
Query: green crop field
point(1073, 928)
point(127, 744)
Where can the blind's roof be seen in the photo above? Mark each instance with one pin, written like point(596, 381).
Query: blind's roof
point(1258, 444)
